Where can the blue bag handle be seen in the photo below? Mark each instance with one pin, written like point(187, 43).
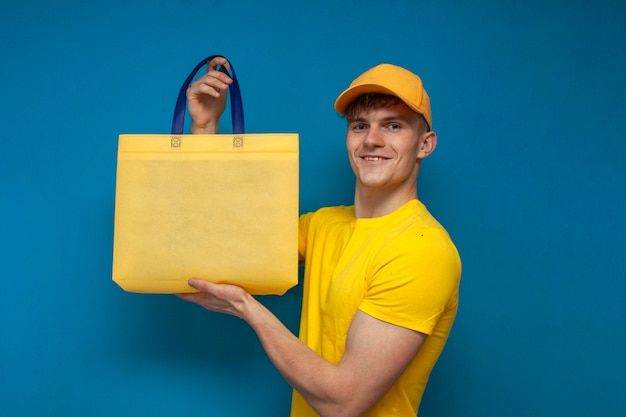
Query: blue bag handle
point(236, 106)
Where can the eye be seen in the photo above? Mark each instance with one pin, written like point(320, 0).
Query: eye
point(394, 126)
point(357, 126)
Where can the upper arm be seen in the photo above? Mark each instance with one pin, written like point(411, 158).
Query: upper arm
point(376, 354)
point(303, 230)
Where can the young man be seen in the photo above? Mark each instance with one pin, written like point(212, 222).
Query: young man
point(381, 277)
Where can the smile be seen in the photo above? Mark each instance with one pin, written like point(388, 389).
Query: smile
point(373, 158)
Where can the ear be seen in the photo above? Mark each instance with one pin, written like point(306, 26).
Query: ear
point(428, 143)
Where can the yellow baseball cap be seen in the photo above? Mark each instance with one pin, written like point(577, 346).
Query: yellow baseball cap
point(392, 80)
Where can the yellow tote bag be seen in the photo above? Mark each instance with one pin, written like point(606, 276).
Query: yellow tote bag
point(223, 208)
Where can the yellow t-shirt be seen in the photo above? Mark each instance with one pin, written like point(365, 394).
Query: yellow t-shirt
point(401, 268)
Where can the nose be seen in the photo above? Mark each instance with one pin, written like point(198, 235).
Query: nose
point(374, 137)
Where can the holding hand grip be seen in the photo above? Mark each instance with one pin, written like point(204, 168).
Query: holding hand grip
point(236, 105)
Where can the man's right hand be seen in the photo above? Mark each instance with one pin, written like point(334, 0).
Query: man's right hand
point(206, 98)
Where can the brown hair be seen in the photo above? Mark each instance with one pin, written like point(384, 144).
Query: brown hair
point(371, 101)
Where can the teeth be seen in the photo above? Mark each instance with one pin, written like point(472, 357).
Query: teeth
point(373, 158)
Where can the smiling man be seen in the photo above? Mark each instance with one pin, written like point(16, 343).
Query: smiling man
point(381, 277)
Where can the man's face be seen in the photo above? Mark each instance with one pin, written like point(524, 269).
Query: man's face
point(384, 146)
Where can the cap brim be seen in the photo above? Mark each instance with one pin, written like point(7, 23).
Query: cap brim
point(345, 98)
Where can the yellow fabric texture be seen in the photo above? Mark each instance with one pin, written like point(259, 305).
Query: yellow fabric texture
point(223, 208)
point(401, 268)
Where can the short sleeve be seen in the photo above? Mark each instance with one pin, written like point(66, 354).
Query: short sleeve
point(303, 232)
point(413, 280)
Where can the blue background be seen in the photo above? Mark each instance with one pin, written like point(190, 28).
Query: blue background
point(530, 107)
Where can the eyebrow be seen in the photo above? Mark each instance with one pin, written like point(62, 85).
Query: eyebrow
point(395, 117)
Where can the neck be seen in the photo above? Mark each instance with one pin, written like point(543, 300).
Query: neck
point(380, 202)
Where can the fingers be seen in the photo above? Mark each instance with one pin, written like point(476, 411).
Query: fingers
point(204, 288)
point(213, 71)
point(221, 298)
point(207, 289)
point(203, 298)
point(201, 285)
point(217, 61)
point(217, 76)
point(214, 83)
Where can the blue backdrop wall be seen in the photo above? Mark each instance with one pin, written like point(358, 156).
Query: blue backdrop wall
point(529, 103)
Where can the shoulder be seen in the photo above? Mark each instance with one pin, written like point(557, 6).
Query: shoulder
point(417, 248)
point(328, 214)
point(414, 231)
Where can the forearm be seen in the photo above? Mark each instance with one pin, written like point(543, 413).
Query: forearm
point(376, 353)
point(317, 380)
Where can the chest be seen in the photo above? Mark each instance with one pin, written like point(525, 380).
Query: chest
point(345, 269)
